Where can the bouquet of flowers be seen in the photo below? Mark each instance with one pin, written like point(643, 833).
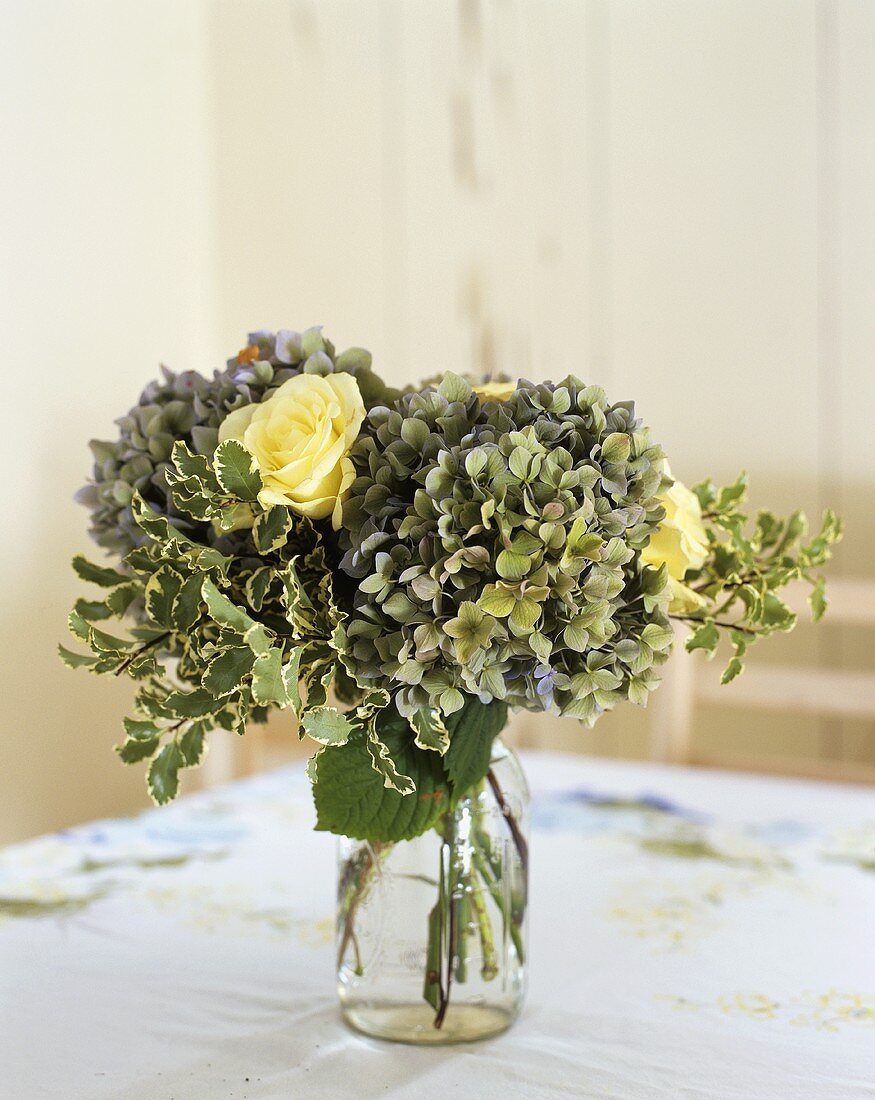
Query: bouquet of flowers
point(398, 569)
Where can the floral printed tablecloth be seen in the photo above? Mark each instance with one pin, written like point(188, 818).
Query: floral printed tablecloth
point(693, 934)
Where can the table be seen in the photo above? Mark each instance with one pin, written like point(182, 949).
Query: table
point(693, 934)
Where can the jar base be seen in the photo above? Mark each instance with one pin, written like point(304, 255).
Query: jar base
point(408, 1023)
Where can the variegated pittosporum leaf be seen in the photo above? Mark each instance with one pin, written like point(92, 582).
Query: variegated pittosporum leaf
point(747, 566)
point(217, 640)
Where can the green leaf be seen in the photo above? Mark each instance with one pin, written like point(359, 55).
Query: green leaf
point(139, 730)
point(137, 749)
point(472, 731)
point(271, 529)
point(291, 676)
point(352, 799)
point(154, 525)
point(163, 777)
point(223, 610)
point(191, 745)
point(268, 685)
point(182, 704)
point(98, 574)
point(431, 731)
point(79, 628)
point(93, 610)
point(707, 637)
point(76, 660)
point(384, 764)
point(236, 470)
point(187, 605)
point(102, 642)
point(121, 597)
point(732, 494)
point(257, 586)
point(259, 638)
point(776, 614)
point(162, 589)
point(733, 669)
point(817, 600)
point(225, 672)
point(172, 541)
point(191, 466)
point(327, 726)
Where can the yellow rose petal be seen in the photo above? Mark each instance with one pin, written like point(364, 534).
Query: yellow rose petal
point(300, 437)
point(681, 541)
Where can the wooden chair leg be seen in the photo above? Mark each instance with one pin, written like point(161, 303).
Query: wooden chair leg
point(670, 709)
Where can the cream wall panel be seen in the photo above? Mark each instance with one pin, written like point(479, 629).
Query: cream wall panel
point(497, 247)
point(713, 182)
point(849, 377)
point(104, 220)
point(298, 164)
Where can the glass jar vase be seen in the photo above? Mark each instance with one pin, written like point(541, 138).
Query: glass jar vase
point(431, 932)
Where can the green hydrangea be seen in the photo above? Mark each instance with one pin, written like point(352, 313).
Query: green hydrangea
point(190, 408)
point(496, 546)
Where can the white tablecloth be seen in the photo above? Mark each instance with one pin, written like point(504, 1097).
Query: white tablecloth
point(693, 935)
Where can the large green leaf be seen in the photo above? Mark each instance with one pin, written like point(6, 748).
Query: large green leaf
point(472, 731)
point(352, 799)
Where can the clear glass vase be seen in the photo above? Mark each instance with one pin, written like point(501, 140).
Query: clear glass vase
point(431, 932)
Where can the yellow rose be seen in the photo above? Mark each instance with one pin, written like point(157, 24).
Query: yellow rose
point(300, 438)
point(495, 391)
point(681, 544)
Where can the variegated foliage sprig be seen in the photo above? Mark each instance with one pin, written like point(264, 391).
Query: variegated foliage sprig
point(748, 564)
point(217, 640)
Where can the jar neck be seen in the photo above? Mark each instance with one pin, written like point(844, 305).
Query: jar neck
point(500, 750)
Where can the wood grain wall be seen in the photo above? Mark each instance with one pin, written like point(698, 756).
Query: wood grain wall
point(672, 198)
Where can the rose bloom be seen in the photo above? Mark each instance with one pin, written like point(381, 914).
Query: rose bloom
point(681, 544)
point(300, 438)
point(495, 391)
